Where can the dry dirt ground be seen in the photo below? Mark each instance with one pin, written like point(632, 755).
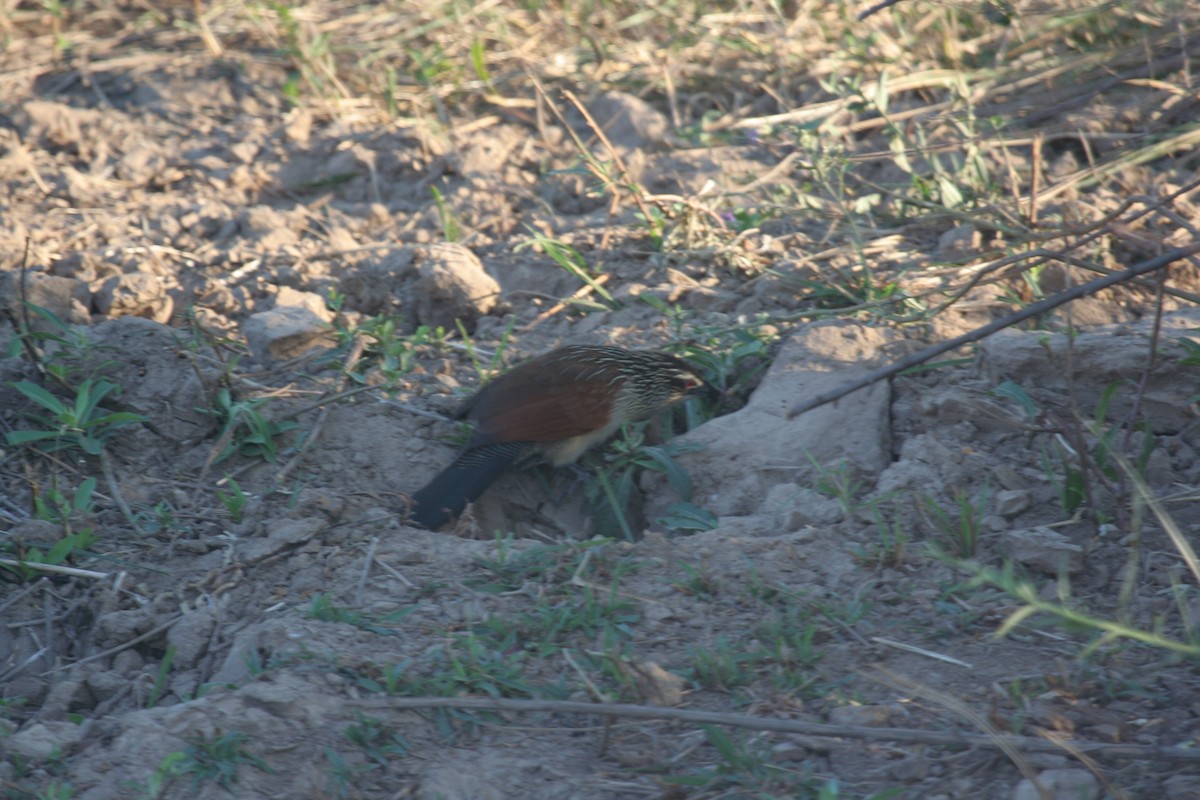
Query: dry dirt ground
point(254, 611)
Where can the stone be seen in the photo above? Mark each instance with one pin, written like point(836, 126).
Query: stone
point(40, 741)
point(134, 294)
point(451, 285)
point(1011, 502)
point(960, 243)
point(284, 333)
point(1060, 784)
point(66, 298)
point(1043, 549)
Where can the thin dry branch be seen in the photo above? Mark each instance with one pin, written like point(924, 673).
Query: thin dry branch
point(1052, 302)
point(1031, 744)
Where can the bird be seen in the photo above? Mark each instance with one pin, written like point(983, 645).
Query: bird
point(557, 405)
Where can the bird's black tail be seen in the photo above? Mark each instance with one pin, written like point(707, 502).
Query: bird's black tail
point(462, 482)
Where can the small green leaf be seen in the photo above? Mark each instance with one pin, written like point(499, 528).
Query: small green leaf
point(26, 437)
point(83, 494)
point(688, 517)
point(40, 396)
point(478, 63)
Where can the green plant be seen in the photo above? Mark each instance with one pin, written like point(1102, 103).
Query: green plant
point(685, 516)
point(552, 622)
point(548, 565)
point(81, 423)
point(730, 360)
point(53, 505)
point(610, 493)
point(744, 767)
point(386, 350)
point(217, 758)
point(960, 531)
point(840, 482)
point(234, 500)
point(72, 348)
point(570, 260)
point(451, 227)
point(1073, 619)
point(159, 517)
point(343, 777)
point(245, 429)
point(723, 665)
point(323, 609)
point(700, 583)
point(69, 546)
point(57, 791)
point(160, 679)
point(378, 740)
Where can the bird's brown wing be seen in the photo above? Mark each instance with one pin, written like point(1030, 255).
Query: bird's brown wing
point(544, 400)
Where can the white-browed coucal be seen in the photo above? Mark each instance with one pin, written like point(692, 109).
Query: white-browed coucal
point(556, 405)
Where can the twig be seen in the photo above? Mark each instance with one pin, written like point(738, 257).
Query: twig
point(110, 477)
point(877, 8)
point(1026, 743)
point(920, 651)
point(356, 351)
point(123, 646)
point(1034, 310)
point(361, 591)
point(57, 568)
point(583, 291)
point(895, 681)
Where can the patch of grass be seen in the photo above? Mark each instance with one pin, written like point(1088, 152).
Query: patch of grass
point(386, 350)
point(839, 482)
point(890, 550)
point(378, 741)
point(722, 665)
point(80, 423)
point(451, 225)
point(235, 499)
point(551, 623)
point(218, 758)
point(700, 583)
point(746, 766)
point(959, 530)
point(245, 429)
point(1108, 631)
point(25, 558)
point(548, 565)
point(611, 490)
point(567, 257)
point(323, 609)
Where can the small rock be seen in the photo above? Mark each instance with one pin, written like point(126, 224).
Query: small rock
point(191, 635)
point(281, 533)
point(959, 243)
point(370, 287)
point(294, 298)
point(106, 684)
point(41, 740)
point(796, 506)
point(1043, 549)
point(284, 333)
point(628, 121)
point(67, 298)
point(134, 294)
point(1061, 784)
point(1011, 502)
point(128, 662)
point(452, 285)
